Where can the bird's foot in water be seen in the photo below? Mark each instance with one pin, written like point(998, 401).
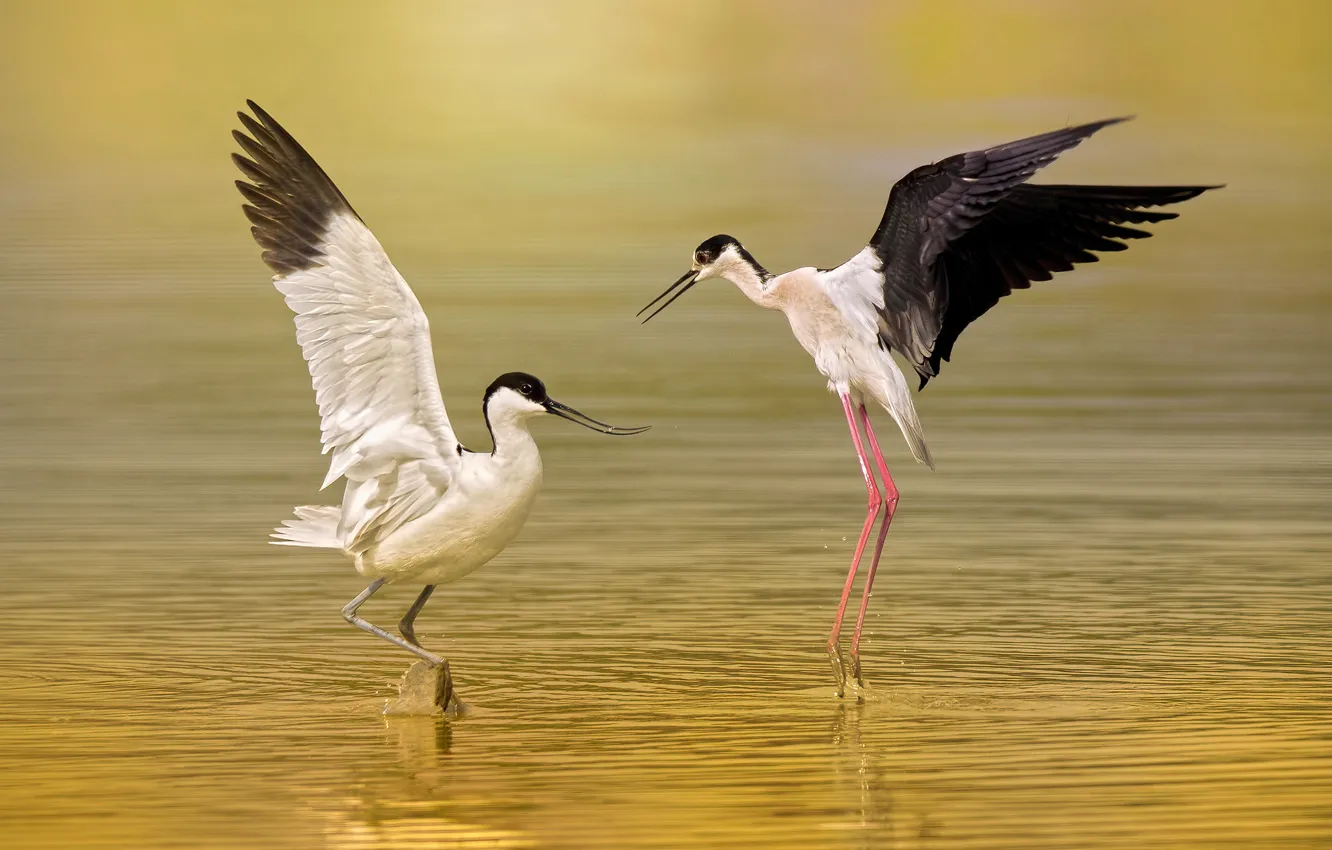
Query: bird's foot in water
point(838, 666)
point(426, 688)
point(846, 674)
point(857, 680)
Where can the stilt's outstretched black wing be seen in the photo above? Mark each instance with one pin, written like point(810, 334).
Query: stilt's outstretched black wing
point(1032, 233)
point(961, 233)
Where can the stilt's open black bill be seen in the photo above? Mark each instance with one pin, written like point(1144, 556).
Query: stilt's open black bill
point(689, 279)
point(565, 412)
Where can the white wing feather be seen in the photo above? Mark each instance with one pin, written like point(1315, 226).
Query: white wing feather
point(856, 290)
point(367, 342)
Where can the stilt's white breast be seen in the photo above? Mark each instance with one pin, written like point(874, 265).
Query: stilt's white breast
point(834, 317)
point(844, 350)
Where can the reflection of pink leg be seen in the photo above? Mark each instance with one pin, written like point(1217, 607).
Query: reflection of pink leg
point(891, 502)
point(871, 511)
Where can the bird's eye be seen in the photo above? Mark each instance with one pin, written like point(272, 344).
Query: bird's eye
point(700, 258)
point(526, 389)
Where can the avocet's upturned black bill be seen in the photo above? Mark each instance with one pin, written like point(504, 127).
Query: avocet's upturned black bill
point(418, 506)
point(956, 236)
point(534, 390)
point(565, 412)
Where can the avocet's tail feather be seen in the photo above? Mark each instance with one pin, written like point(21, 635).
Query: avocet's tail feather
point(315, 526)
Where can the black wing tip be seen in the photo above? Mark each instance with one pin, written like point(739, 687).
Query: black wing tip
point(1096, 126)
point(1160, 196)
point(263, 116)
point(290, 199)
point(1181, 193)
point(1074, 133)
point(1188, 193)
point(1121, 196)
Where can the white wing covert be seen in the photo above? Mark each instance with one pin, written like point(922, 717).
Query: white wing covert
point(367, 342)
point(856, 290)
point(361, 329)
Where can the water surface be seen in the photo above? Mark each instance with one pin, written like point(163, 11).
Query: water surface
point(1101, 623)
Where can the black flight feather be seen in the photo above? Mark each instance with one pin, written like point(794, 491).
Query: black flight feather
point(289, 199)
point(959, 234)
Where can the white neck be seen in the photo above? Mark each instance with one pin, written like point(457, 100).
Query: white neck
point(512, 439)
point(748, 279)
point(507, 414)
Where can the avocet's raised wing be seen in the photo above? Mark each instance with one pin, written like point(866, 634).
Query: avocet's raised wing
point(360, 327)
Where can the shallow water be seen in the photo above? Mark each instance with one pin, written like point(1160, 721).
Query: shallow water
point(1101, 623)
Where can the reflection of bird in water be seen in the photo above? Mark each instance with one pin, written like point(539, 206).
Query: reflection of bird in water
point(886, 812)
point(365, 821)
point(413, 804)
point(956, 236)
point(422, 743)
point(418, 506)
point(854, 766)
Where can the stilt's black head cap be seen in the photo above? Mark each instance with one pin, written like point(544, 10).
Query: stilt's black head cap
point(711, 249)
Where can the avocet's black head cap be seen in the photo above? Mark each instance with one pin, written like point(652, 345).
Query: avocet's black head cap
point(531, 388)
point(528, 386)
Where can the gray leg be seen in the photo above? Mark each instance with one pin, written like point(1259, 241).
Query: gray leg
point(349, 614)
point(406, 626)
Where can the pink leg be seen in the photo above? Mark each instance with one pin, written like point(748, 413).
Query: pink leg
point(871, 512)
point(891, 502)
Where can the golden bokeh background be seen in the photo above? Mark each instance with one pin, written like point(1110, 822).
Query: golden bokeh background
point(1101, 623)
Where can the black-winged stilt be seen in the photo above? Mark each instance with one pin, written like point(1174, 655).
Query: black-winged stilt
point(956, 236)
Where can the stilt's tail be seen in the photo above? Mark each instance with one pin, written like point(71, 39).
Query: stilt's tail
point(896, 398)
point(315, 526)
point(915, 435)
